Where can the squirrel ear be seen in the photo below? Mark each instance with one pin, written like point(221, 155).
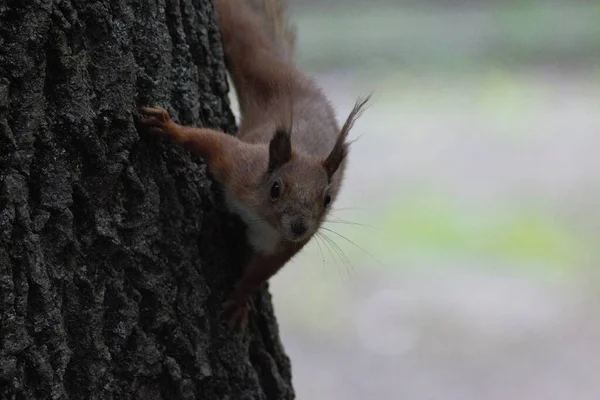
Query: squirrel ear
point(280, 150)
point(337, 155)
point(340, 149)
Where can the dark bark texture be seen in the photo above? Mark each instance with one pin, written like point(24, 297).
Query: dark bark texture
point(116, 251)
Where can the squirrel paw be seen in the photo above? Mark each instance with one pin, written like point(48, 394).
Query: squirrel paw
point(155, 120)
point(239, 313)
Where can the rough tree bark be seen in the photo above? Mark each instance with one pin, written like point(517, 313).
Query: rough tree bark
point(116, 251)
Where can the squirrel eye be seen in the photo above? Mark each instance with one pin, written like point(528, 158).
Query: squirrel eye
point(327, 199)
point(275, 190)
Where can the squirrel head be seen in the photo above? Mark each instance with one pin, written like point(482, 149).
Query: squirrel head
point(295, 189)
point(298, 189)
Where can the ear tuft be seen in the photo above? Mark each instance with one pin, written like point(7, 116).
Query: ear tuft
point(340, 149)
point(280, 150)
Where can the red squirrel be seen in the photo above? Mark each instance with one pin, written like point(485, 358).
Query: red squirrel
point(283, 170)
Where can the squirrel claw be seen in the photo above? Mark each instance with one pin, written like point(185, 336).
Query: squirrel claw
point(156, 112)
point(239, 316)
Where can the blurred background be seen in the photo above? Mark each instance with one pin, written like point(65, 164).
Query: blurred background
point(462, 261)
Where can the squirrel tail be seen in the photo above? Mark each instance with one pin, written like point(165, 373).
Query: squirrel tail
point(259, 46)
point(280, 30)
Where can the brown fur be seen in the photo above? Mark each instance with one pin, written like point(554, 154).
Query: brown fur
point(288, 136)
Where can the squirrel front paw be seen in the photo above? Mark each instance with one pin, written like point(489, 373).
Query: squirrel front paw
point(156, 120)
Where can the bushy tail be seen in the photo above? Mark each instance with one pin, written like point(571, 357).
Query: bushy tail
point(258, 42)
point(279, 28)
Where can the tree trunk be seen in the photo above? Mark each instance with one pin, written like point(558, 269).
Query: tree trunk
point(116, 251)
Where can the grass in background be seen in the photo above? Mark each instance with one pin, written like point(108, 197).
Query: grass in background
point(438, 228)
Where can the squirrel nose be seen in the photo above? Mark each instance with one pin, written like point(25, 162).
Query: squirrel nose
point(299, 227)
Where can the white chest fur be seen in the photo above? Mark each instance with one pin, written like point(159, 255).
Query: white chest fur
point(260, 234)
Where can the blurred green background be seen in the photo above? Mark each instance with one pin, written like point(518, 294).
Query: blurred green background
point(462, 259)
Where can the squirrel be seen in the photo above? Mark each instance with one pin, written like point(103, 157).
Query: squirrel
point(283, 170)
